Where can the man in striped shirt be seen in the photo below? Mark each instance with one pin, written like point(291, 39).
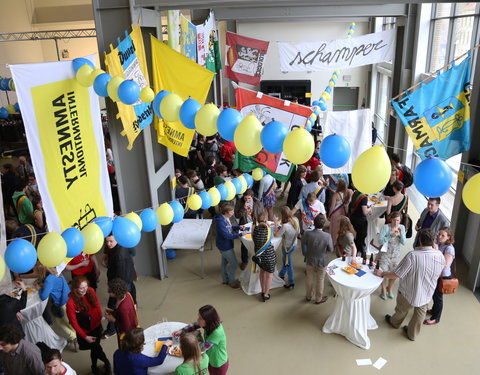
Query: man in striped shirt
point(418, 273)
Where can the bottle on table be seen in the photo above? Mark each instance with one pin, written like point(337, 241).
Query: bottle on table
point(344, 255)
point(370, 263)
point(364, 261)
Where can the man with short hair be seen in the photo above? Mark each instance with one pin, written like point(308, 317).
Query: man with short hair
point(23, 205)
point(315, 186)
point(418, 272)
point(19, 356)
point(432, 217)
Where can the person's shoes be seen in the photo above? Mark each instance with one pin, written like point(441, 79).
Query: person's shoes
point(429, 322)
point(382, 296)
point(391, 296)
point(388, 318)
point(308, 299)
point(243, 266)
point(282, 195)
point(72, 345)
point(266, 297)
point(235, 285)
point(95, 370)
point(405, 330)
point(289, 286)
point(323, 300)
point(108, 334)
point(108, 368)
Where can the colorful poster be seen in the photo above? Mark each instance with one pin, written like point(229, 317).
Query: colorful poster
point(436, 116)
point(65, 139)
point(128, 61)
point(266, 108)
point(173, 29)
point(208, 50)
point(337, 54)
point(245, 58)
point(188, 39)
point(176, 73)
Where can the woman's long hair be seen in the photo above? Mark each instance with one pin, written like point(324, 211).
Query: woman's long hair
point(287, 216)
point(77, 298)
point(210, 315)
point(345, 226)
point(191, 351)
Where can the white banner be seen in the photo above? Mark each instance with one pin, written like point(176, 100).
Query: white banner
point(337, 54)
point(356, 127)
point(65, 139)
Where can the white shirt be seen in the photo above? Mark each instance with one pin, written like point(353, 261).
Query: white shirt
point(316, 208)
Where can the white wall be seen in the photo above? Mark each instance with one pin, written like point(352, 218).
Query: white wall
point(303, 32)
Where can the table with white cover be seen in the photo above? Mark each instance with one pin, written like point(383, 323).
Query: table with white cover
point(151, 336)
point(35, 327)
point(378, 208)
point(351, 316)
point(189, 234)
point(249, 279)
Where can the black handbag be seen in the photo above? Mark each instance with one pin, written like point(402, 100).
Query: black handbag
point(256, 260)
point(407, 222)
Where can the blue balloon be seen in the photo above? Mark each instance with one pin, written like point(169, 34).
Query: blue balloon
point(335, 151)
point(170, 253)
point(432, 177)
point(223, 191)
point(188, 110)
point(309, 126)
point(157, 100)
point(74, 240)
point(20, 256)
point(227, 122)
point(178, 211)
point(81, 61)
point(272, 136)
point(316, 102)
point(17, 107)
point(149, 220)
point(3, 112)
point(126, 232)
point(128, 92)
point(105, 223)
point(332, 80)
point(100, 84)
point(238, 185)
point(323, 106)
point(328, 89)
point(316, 111)
point(249, 179)
point(206, 200)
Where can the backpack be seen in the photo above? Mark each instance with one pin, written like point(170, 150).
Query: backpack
point(407, 176)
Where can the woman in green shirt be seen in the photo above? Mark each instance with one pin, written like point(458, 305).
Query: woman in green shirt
point(194, 363)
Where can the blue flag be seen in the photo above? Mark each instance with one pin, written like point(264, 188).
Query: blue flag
point(436, 116)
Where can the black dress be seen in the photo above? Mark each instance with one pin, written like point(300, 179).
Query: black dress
point(268, 259)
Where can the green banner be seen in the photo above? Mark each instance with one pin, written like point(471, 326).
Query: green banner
point(248, 163)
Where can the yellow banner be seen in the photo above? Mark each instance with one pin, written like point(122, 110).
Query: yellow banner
point(176, 73)
point(70, 151)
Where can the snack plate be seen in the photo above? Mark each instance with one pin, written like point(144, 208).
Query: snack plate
point(175, 351)
point(350, 270)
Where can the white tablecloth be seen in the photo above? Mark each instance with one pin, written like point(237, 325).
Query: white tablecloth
point(351, 317)
point(249, 280)
point(35, 327)
point(151, 335)
point(378, 208)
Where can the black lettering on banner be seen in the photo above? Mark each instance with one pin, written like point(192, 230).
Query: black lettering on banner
point(410, 112)
point(284, 161)
point(402, 103)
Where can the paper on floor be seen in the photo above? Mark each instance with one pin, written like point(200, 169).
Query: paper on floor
point(380, 363)
point(364, 362)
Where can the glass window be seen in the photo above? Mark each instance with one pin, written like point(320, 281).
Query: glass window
point(443, 10)
point(462, 9)
point(462, 35)
point(381, 110)
point(439, 44)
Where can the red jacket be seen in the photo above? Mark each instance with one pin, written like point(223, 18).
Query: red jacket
point(126, 315)
point(95, 313)
point(227, 151)
point(312, 163)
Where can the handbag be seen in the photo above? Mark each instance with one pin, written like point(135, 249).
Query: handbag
point(448, 286)
point(257, 260)
point(83, 319)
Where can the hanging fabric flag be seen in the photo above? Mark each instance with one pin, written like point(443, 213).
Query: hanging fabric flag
point(245, 58)
point(173, 29)
point(266, 108)
point(436, 116)
point(128, 61)
point(65, 138)
point(188, 38)
point(208, 50)
point(174, 72)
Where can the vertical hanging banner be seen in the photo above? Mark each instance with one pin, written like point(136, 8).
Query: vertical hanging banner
point(173, 29)
point(65, 139)
point(128, 61)
point(245, 58)
point(266, 108)
point(188, 39)
point(176, 73)
point(436, 116)
point(208, 50)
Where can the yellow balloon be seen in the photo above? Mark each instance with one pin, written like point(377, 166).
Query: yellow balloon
point(326, 96)
point(83, 75)
point(2, 268)
point(244, 184)
point(147, 95)
point(471, 192)
point(231, 190)
point(298, 146)
point(371, 171)
point(112, 88)
point(194, 202)
point(165, 214)
point(206, 119)
point(135, 218)
point(331, 84)
point(247, 136)
point(257, 174)
point(170, 107)
point(94, 75)
point(215, 194)
point(52, 249)
point(93, 237)
point(313, 116)
point(11, 109)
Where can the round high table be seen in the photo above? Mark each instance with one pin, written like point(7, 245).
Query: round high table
point(351, 316)
point(249, 278)
point(151, 335)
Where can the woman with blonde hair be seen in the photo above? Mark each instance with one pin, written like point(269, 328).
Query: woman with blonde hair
point(338, 207)
point(346, 238)
point(289, 229)
point(194, 363)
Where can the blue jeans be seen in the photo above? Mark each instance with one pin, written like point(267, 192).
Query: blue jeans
point(228, 266)
point(287, 269)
